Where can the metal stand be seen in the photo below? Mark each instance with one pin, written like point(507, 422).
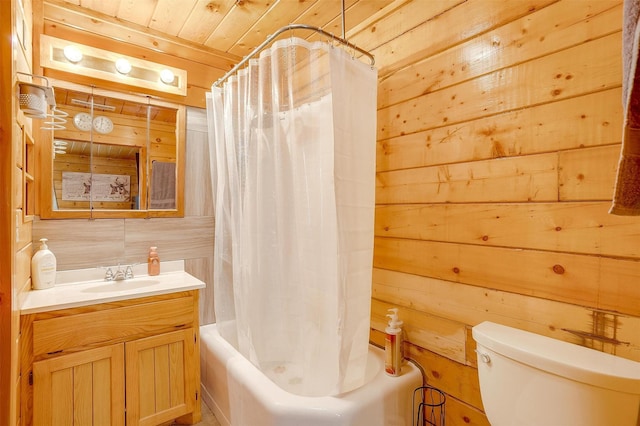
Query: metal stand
point(430, 406)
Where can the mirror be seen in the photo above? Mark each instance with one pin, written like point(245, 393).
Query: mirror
point(118, 155)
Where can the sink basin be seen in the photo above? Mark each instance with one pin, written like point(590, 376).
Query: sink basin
point(83, 287)
point(112, 286)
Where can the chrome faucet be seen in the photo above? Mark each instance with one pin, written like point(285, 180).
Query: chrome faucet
point(120, 274)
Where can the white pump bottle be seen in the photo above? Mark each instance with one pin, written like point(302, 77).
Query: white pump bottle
point(393, 344)
point(43, 267)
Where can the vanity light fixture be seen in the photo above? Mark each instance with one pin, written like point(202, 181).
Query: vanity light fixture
point(167, 76)
point(72, 53)
point(123, 66)
point(89, 61)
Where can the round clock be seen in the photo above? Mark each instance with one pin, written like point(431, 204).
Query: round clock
point(82, 121)
point(102, 124)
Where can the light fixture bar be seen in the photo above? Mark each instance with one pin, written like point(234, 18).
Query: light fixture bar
point(88, 105)
point(110, 66)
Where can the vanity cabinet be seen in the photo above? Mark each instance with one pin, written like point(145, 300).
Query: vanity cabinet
point(133, 362)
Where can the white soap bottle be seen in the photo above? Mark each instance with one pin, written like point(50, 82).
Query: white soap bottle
point(393, 344)
point(43, 267)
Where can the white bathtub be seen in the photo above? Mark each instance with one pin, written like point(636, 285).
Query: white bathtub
point(240, 395)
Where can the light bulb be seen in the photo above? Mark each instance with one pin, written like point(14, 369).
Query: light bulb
point(123, 66)
point(167, 76)
point(73, 54)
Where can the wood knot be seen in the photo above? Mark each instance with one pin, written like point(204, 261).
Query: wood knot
point(485, 238)
point(456, 270)
point(213, 7)
point(558, 269)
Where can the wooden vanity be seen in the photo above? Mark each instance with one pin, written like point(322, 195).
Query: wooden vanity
point(133, 361)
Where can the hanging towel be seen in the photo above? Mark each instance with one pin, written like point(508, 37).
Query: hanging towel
point(626, 198)
point(163, 185)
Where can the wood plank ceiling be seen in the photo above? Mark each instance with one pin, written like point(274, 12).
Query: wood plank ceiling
point(232, 28)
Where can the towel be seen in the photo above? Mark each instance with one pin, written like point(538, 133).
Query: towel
point(163, 185)
point(626, 198)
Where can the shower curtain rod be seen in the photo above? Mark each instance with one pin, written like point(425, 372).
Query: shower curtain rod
point(291, 27)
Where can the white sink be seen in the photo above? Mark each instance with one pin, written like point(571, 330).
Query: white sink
point(130, 284)
point(88, 287)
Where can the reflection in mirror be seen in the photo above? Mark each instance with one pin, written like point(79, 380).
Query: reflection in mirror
point(107, 179)
point(162, 158)
point(162, 191)
point(117, 153)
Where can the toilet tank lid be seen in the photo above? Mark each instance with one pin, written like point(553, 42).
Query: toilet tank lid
point(562, 358)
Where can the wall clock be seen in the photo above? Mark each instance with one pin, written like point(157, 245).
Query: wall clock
point(102, 124)
point(82, 121)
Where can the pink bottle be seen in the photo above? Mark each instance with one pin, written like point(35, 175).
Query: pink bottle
point(153, 266)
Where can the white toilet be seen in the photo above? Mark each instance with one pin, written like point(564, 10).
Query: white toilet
point(530, 380)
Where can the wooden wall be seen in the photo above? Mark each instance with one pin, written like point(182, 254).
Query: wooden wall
point(8, 365)
point(17, 199)
point(499, 129)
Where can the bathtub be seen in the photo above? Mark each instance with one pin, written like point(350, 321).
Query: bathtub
point(241, 395)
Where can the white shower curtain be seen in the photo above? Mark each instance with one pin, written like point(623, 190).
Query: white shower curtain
point(294, 137)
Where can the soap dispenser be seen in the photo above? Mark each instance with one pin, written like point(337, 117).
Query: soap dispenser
point(43, 267)
point(153, 266)
point(393, 344)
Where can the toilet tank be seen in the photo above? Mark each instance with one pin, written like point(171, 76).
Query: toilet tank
point(531, 380)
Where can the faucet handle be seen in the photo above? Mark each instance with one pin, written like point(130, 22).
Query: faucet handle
point(108, 276)
point(129, 272)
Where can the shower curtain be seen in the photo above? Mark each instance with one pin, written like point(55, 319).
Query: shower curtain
point(294, 137)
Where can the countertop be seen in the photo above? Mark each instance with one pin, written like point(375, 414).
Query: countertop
point(83, 287)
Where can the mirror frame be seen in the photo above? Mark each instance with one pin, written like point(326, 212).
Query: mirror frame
point(45, 163)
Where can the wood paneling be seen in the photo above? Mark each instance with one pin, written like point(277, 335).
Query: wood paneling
point(534, 35)
point(534, 130)
point(561, 75)
point(16, 175)
point(588, 174)
point(576, 227)
point(418, 31)
point(532, 178)
point(498, 141)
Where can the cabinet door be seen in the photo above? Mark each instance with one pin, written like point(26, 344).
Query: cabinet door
point(161, 376)
point(79, 389)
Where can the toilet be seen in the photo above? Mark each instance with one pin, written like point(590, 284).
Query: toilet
point(531, 380)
